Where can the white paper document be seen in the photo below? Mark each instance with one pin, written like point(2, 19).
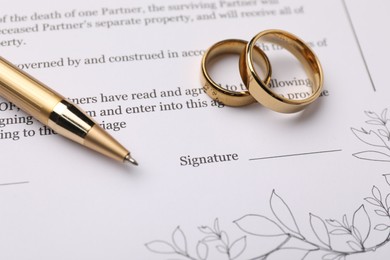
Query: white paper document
point(213, 182)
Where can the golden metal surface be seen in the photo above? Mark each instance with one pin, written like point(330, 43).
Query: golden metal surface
point(27, 93)
point(51, 109)
point(99, 140)
point(70, 122)
point(214, 90)
point(260, 90)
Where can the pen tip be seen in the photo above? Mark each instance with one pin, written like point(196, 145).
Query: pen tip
point(131, 160)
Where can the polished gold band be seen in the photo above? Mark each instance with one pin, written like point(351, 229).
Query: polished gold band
point(260, 90)
point(225, 96)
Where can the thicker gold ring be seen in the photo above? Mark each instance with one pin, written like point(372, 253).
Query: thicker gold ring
point(225, 96)
point(260, 90)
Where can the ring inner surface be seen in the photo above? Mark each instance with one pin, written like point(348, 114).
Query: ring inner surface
point(221, 49)
point(305, 56)
point(237, 47)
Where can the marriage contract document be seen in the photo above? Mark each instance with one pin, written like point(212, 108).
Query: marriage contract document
point(214, 182)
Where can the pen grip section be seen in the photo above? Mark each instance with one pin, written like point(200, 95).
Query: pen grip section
point(67, 120)
point(27, 93)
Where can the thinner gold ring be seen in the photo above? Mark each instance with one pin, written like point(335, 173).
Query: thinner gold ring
point(260, 90)
point(223, 95)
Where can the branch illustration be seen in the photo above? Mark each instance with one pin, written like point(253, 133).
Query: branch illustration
point(378, 136)
point(212, 236)
point(352, 233)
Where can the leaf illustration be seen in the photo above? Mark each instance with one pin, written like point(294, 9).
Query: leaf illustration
point(376, 193)
point(387, 177)
point(371, 114)
point(179, 240)
point(339, 232)
point(354, 246)
point(345, 221)
point(160, 247)
point(381, 227)
point(383, 133)
point(387, 202)
point(320, 229)
point(216, 226)
point(259, 225)
point(381, 213)
point(210, 239)
point(331, 256)
point(374, 122)
point(370, 138)
point(202, 250)
point(283, 213)
point(356, 234)
point(373, 156)
point(205, 230)
point(225, 238)
point(361, 221)
point(237, 248)
point(373, 201)
point(222, 249)
point(334, 223)
point(384, 115)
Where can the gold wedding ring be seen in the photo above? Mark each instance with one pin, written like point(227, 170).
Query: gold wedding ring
point(225, 96)
point(259, 88)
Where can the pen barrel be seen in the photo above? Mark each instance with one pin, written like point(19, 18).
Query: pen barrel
point(27, 93)
point(51, 109)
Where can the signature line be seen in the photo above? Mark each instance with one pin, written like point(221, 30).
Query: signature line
point(295, 154)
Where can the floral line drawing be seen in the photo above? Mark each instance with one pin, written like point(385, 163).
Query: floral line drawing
point(377, 137)
point(213, 235)
point(332, 239)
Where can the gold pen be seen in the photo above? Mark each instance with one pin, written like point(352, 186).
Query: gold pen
point(53, 110)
